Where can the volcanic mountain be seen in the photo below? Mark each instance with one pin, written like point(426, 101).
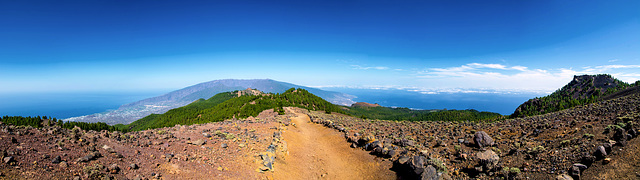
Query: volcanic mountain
point(157, 105)
point(581, 90)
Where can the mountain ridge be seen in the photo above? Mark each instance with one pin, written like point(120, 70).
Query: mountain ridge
point(583, 89)
point(130, 112)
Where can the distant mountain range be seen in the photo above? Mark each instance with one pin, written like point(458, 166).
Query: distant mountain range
point(157, 105)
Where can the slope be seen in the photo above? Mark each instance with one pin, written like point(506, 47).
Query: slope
point(581, 90)
point(157, 105)
point(230, 105)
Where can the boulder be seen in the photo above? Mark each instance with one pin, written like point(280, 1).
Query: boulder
point(564, 177)
point(482, 139)
point(429, 173)
point(619, 134)
point(63, 164)
point(403, 160)
point(601, 152)
point(373, 145)
point(404, 143)
point(198, 142)
point(608, 147)
point(488, 160)
point(417, 164)
point(56, 160)
point(8, 159)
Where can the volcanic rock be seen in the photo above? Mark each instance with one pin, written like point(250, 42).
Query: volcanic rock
point(482, 139)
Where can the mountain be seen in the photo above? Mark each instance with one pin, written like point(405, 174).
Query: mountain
point(581, 90)
point(157, 105)
point(232, 105)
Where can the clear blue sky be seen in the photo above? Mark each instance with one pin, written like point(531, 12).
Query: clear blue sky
point(428, 46)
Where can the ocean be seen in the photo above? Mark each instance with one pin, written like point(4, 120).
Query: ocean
point(493, 102)
point(65, 105)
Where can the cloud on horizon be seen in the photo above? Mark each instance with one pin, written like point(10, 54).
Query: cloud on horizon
point(495, 78)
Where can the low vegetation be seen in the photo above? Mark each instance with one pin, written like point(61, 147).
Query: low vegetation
point(406, 114)
point(229, 105)
point(41, 121)
point(585, 89)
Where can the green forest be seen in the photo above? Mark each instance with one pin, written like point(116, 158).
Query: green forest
point(563, 98)
point(406, 114)
point(39, 121)
point(227, 106)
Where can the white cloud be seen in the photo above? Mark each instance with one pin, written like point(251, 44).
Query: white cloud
point(613, 60)
point(477, 75)
point(371, 67)
point(492, 66)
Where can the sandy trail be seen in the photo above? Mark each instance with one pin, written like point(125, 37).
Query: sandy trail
point(317, 152)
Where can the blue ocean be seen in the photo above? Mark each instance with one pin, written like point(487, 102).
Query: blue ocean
point(494, 102)
point(65, 105)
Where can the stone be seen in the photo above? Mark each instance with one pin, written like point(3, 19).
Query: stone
point(606, 161)
point(206, 135)
point(564, 177)
point(588, 159)
point(8, 159)
point(417, 164)
point(223, 145)
point(582, 167)
point(574, 172)
point(482, 139)
point(63, 164)
point(403, 160)
point(13, 140)
point(405, 143)
point(133, 166)
point(488, 160)
point(607, 147)
point(114, 169)
point(619, 134)
point(390, 153)
point(109, 149)
point(601, 152)
point(198, 142)
point(89, 157)
point(56, 160)
point(429, 173)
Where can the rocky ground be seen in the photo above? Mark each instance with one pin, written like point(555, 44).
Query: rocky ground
point(231, 149)
point(596, 141)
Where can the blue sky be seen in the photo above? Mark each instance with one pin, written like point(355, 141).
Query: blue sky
point(425, 46)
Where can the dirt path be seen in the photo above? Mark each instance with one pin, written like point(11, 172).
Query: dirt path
point(317, 152)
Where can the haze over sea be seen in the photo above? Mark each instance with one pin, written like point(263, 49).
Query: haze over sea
point(65, 105)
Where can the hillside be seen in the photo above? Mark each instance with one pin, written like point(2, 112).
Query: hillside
point(581, 90)
point(234, 105)
point(128, 113)
point(406, 114)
